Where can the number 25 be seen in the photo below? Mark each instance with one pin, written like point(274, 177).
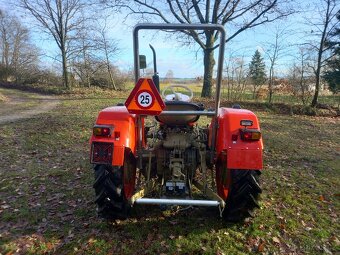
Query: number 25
point(145, 99)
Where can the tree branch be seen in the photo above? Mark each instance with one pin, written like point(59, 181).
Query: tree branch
point(215, 10)
point(207, 11)
point(174, 12)
point(198, 11)
point(223, 10)
point(187, 18)
point(159, 13)
point(254, 23)
point(230, 13)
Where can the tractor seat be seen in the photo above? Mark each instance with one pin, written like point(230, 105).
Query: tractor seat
point(180, 120)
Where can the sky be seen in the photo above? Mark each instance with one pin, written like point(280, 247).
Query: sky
point(183, 61)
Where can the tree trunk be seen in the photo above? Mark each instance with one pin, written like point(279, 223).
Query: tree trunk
point(228, 83)
point(209, 63)
point(302, 82)
point(111, 77)
point(233, 92)
point(317, 86)
point(270, 87)
point(113, 84)
point(6, 54)
point(88, 80)
point(86, 68)
point(65, 73)
point(321, 50)
point(63, 40)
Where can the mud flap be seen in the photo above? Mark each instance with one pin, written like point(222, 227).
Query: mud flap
point(222, 176)
point(129, 171)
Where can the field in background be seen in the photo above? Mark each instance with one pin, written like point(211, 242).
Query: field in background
point(47, 204)
point(326, 98)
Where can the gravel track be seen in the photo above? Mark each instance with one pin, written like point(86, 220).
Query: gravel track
point(45, 104)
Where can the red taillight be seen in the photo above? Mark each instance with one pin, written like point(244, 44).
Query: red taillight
point(106, 131)
point(101, 130)
point(250, 134)
point(247, 135)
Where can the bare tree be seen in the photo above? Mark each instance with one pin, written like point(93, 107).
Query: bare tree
point(169, 76)
point(236, 76)
point(300, 74)
point(241, 77)
point(242, 15)
point(83, 51)
point(322, 27)
point(85, 65)
point(59, 18)
point(93, 50)
point(228, 75)
point(109, 48)
point(18, 55)
point(274, 50)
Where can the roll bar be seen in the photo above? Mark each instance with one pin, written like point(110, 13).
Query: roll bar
point(179, 27)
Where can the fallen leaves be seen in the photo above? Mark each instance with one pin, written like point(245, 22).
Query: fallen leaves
point(27, 243)
point(5, 206)
point(276, 240)
point(261, 246)
point(47, 192)
point(172, 237)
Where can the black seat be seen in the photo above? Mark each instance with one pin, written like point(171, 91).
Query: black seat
point(180, 120)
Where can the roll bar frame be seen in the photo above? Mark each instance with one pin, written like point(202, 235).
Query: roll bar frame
point(179, 27)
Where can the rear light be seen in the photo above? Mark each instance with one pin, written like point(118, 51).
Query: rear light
point(102, 130)
point(250, 134)
point(101, 153)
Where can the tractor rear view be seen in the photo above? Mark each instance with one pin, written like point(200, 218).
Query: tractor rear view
point(172, 160)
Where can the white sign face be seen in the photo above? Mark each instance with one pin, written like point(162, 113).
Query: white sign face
point(144, 99)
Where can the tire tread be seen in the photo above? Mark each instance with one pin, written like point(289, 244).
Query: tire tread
point(108, 186)
point(244, 193)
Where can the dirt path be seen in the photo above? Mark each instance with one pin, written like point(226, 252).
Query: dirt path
point(20, 106)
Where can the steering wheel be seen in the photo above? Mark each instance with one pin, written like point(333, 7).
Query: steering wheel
point(177, 95)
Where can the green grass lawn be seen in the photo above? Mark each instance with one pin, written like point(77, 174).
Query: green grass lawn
point(46, 195)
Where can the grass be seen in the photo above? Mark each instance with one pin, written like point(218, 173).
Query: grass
point(46, 194)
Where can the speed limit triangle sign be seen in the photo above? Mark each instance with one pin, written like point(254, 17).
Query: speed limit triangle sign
point(145, 99)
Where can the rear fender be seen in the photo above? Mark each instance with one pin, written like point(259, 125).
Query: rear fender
point(123, 135)
point(239, 154)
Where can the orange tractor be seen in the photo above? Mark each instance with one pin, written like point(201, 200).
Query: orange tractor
point(173, 161)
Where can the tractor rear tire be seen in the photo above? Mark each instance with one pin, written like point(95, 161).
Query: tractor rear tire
point(243, 196)
point(110, 199)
